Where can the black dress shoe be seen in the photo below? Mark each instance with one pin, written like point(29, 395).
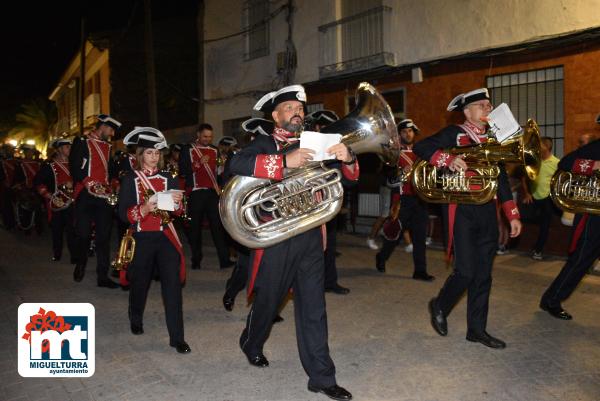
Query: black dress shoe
point(423, 276)
point(278, 319)
point(379, 264)
point(438, 320)
point(338, 289)
point(334, 392)
point(195, 266)
point(260, 361)
point(228, 264)
point(55, 258)
point(79, 272)
point(137, 329)
point(556, 311)
point(228, 303)
point(182, 347)
point(485, 339)
point(107, 283)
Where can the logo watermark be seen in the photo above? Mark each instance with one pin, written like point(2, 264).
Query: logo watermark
point(56, 340)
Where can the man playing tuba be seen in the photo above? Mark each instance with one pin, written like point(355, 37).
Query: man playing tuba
point(472, 229)
point(296, 262)
point(585, 243)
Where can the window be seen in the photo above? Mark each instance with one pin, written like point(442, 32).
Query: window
point(394, 97)
point(311, 108)
point(256, 23)
point(536, 94)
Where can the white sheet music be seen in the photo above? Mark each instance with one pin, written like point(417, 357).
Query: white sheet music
point(502, 123)
point(165, 200)
point(319, 143)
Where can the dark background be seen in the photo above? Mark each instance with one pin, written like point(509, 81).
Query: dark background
point(40, 39)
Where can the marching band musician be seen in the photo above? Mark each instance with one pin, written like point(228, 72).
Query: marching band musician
point(296, 262)
point(239, 274)
point(472, 229)
point(55, 185)
point(8, 166)
point(413, 211)
point(27, 202)
point(94, 174)
point(156, 242)
point(585, 241)
point(198, 163)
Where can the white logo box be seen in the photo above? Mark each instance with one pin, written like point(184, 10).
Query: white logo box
point(76, 358)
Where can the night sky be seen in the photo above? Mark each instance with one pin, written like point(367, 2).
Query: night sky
point(41, 38)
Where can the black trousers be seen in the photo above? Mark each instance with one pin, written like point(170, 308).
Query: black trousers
point(331, 275)
point(61, 223)
point(8, 216)
point(90, 209)
point(475, 242)
point(154, 250)
point(205, 202)
point(578, 263)
point(413, 216)
point(239, 274)
point(544, 210)
point(295, 263)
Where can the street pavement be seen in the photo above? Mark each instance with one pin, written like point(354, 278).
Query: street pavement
point(379, 335)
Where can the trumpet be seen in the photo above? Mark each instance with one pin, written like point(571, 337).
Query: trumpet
point(126, 251)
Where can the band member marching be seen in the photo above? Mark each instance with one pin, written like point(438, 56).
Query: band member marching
point(296, 262)
point(413, 211)
point(585, 241)
point(55, 185)
point(8, 166)
point(473, 229)
point(27, 203)
point(198, 163)
point(239, 275)
point(157, 244)
point(94, 176)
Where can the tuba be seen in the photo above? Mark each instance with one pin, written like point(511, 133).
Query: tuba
point(259, 213)
point(576, 193)
point(478, 185)
point(126, 251)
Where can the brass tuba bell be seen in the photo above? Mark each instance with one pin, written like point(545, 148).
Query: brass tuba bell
point(478, 185)
point(576, 193)
point(259, 213)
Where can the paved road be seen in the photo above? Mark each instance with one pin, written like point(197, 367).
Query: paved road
point(380, 337)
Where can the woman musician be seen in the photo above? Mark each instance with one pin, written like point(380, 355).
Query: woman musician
point(156, 242)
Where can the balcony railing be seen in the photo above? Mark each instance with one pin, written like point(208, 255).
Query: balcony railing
point(356, 43)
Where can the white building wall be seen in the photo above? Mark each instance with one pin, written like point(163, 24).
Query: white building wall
point(422, 30)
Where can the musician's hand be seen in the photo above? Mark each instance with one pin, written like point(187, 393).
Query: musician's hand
point(458, 164)
point(406, 169)
point(299, 157)
point(149, 207)
point(515, 228)
point(527, 199)
point(177, 196)
point(204, 159)
point(340, 151)
point(596, 165)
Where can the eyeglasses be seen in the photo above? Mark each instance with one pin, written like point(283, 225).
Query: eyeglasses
point(483, 106)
